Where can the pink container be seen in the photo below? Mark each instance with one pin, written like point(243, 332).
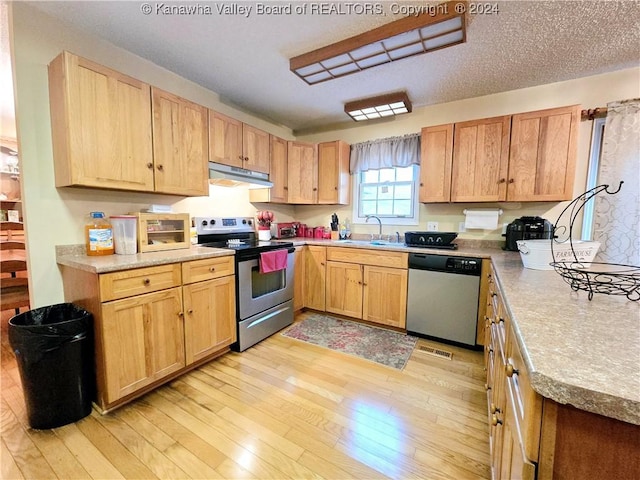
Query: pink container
point(318, 232)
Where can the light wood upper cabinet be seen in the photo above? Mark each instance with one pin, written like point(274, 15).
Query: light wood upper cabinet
point(302, 172)
point(255, 147)
point(180, 145)
point(225, 140)
point(237, 144)
point(480, 160)
point(436, 153)
point(143, 341)
point(543, 153)
point(101, 126)
point(278, 174)
point(333, 173)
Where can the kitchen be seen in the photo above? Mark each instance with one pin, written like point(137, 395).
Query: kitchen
point(69, 206)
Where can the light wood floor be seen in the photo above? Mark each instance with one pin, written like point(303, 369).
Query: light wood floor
point(282, 409)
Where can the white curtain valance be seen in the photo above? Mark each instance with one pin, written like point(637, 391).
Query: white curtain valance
point(385, 153)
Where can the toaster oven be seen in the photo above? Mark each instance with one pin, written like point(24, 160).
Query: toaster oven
point(283, 230)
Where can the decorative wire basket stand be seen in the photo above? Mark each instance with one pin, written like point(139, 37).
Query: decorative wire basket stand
point(593, 277)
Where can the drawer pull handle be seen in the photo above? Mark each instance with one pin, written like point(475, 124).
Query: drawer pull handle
point(511, 371)
point(494, 408)
point(495, 421)
point(212, 269)
point(146, 281)
point(487, 387)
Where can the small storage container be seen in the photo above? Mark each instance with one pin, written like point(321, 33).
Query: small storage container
point(536, 254)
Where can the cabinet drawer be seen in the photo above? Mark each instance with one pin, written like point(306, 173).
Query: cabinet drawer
point(378, 258)
point(527, 403)
point(128, 283)
point(207, 269)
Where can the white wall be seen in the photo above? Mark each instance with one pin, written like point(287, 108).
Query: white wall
point(56, 216)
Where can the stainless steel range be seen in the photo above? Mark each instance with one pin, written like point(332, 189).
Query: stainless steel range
point(264, 301)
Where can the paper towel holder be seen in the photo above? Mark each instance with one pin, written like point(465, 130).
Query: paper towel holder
point(500, 212)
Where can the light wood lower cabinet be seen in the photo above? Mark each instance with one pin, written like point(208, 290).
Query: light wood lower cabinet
point(299, 277)
point(367, 284)
point(143, 341)
point(533, 437)
point(154, 323)
point(315, 275)
point(209, 308)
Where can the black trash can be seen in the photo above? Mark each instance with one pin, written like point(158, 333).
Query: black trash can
point(54, 350)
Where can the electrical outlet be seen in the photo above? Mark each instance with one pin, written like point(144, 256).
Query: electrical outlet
point(432, 226)
point(461, 227)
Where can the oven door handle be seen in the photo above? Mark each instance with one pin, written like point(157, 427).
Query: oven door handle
point(256, 256)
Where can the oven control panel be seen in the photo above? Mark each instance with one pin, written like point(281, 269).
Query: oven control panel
point(207, 225)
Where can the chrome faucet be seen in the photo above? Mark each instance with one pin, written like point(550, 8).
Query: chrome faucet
point(379, 223)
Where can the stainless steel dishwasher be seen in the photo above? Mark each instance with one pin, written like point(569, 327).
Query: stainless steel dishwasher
point(442, 300)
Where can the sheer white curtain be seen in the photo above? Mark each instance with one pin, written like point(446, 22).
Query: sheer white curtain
point(385, 153)
point(617, 217)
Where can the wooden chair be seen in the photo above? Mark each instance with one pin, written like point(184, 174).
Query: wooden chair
point(14, 284)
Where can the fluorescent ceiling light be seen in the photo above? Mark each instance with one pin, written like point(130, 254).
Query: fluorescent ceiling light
point(378, 107)
point(436, 27)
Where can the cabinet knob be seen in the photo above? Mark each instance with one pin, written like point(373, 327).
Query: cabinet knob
point(487, 387)
point(286, 188)
point(181, 314)
point(493, 408)
point(511, 180)
point(190, 311)
point(315, 189)
point(335, 188)
point(160, 167)
point(146, 281)
point(500, 320)
point(149, 165)
point(212, 269)
point(240, 157)
point(502, 180)
point(495, 421)
point(510, 371)
point(246, 159)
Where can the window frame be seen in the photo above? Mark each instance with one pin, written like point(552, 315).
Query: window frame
point(595, 155)
point(389, 220)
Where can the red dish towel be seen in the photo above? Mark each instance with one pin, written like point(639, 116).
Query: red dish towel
point(273, 260)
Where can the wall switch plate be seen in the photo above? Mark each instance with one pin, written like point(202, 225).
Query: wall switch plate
point(432, 226)
point(461, 227)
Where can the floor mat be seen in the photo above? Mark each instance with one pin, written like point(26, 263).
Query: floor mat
point(378, 345)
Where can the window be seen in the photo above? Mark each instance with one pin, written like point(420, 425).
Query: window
point(388, 193)
point(597, 144)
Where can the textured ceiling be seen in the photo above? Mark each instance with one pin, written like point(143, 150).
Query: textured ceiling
point(245, 59)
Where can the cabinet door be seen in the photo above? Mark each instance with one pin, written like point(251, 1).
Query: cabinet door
point(180, 145)
point(210, 317)
point(255, 148)
point(333, 173)
point(314, 289)
point(143, 341)
point(385, 296)
point(225, 140)
point(543, 153)
point(480, 160)
point(302, 172)
point(344, 289)
point(513, 464)
point(278, 170)
point(101, 126)
point(436, 154)
point(299, 276)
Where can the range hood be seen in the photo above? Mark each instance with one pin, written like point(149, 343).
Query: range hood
point(226, 176)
